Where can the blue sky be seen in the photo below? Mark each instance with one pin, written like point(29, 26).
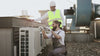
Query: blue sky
point(14, 7)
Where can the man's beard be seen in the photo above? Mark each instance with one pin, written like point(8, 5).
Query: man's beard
point(54, 28)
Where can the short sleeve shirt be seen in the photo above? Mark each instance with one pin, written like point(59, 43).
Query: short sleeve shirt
point(61, 34)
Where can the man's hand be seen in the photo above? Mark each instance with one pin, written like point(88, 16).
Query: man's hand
point(64, 28)
point(31, 20)
point(43, 32)
point(49, 28)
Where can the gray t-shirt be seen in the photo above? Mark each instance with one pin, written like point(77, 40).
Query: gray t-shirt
point(61, 33)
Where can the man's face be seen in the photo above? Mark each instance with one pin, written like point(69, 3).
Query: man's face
point(54, 26)
point(52, 8)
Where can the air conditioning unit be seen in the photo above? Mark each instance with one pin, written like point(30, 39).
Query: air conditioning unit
point(29, 41)
point(9, 41)
point(43, 41)
point(18, 38)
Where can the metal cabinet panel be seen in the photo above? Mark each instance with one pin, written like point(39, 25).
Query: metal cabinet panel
point(6, 42)
point(29, 37)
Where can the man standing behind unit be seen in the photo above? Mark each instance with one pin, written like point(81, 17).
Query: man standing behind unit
point(58, 37)
point(53, 14)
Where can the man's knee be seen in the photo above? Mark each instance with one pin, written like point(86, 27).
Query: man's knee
point(53, 53)
point(57, 52)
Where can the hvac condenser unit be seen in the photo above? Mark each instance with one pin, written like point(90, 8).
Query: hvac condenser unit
point(29, 42)
point(13, 29)
point(43, 41)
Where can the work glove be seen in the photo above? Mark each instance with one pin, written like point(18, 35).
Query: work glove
point(41, 27)
point(49, 28)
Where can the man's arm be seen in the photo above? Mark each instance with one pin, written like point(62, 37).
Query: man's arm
point(45, 16)
point(63, 23)
point(62, 16)
point(56, 35)
point(44, 34)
